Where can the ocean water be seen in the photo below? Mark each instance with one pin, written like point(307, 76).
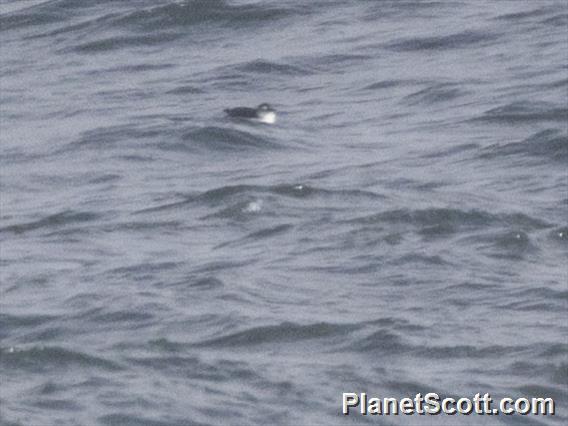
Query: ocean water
point(402, 228)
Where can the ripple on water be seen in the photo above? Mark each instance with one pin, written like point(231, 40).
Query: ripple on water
point(48, 358)
point(519, 112)
point(466, 39)
point(283, 333)
point(57, 220)
point(435, 94)
point(227, 139)
point(551, 144)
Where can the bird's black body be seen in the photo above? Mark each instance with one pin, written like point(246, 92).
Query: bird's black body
point(242, 112)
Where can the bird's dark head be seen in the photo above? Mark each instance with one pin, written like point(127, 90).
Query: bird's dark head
point(265, 107)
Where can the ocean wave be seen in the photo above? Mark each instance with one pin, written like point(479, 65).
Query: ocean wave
point(171, 226)
point(144, 268)
point(61, 219)
point(206, 12)
point(127, 318)
point(206, 283)
point(85, 26)
point(151, 14)
point(333, 63)
point(559, 235)
point(129, 419)
point(118, 42)
point(525, 111)
point(514, 242)
point(258, 235)
point(40, 358)
point(382, 341)
point(13, 322)
point(266, 67)
point(408, 9)
point(47, 12)
point(195, 368)
point(450, 220)
point(286, 332)
point(53, 17)
point(244, 193)
point(214, 138)
point(250, 75)
point(505, 244)
point(549, 14)
point(551, 144)
point(558, 84)
point(388, 84)
point(435, 94)
point(241, 210)
point(559, 21)
point(453, 41)
point(524, 15)
point(187, 89)
point(103, 138)
point(470, 351)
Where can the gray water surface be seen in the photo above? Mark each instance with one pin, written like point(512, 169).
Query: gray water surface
point(402, 228)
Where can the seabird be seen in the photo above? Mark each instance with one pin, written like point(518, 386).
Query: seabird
point(263, 113)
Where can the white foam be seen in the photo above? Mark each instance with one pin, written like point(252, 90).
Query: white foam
point(253, 207)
